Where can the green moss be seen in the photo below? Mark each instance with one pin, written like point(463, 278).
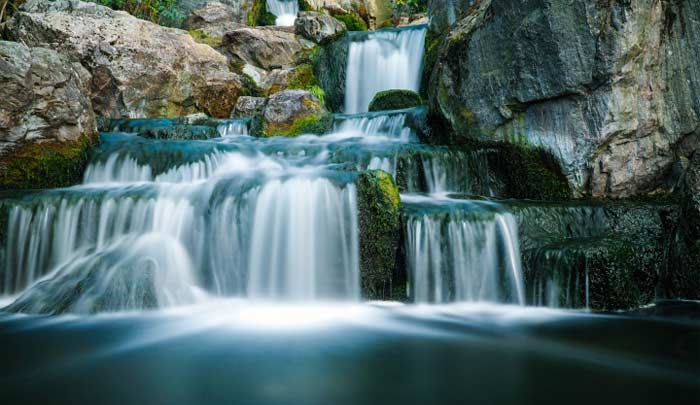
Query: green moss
point(302, 77)
point(310, 124)
point(250, 88)
point(45, 165)
point(259, 16)
point(305, 6)
point(528, 172)
point(352, 22)
point(395, 100)
point(202, 38)
point(379, 221)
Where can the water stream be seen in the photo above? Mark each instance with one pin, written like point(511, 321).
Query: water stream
point(285, 10)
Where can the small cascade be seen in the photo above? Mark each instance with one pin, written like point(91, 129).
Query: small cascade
point(234, 128)
point(382, 60)
point(461, 250)
point(285, 10)
point(393, 125)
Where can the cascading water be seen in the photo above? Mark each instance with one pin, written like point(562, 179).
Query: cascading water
point(461, 250)
point(382, 60)
point(285, 10)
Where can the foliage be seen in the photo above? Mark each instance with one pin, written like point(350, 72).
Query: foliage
point(352, 22)
point(395, 100)
point(318, 92)
point(305, 6)
point(163, 12)
point(8, 8)
point(259, 16)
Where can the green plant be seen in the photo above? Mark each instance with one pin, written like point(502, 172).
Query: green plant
point(163, 12)
point(8, 8)
point(352, 22)
point(259, 16)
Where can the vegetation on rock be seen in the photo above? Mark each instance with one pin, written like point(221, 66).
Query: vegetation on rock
point(260, 16)
point(379, 213)
point(352, 22)
point(395, 100)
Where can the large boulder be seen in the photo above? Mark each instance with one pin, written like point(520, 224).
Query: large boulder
point(46, 118)
point(138, 68)
point(265, 47)
point(238, 10)
point(374, 12)
point(214, 20)
point(318, 27)
point(294, 112)
point(610, 88)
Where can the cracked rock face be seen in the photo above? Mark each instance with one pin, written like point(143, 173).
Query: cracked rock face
point(265, 47)
point(139, 69)
point(612, 90)
point(318, 27)
point(43, 98)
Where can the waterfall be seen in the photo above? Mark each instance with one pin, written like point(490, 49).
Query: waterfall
point(392, 125)
point(285, 10)
point(383, 60)
point(464, 251)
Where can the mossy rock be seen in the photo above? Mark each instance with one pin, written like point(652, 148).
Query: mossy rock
point(45, 165)
point(379, 207)
point(395, 100)
point(310, 124)
point(352, 22)
point(203, 38)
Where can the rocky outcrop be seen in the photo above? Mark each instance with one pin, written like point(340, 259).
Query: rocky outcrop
point(443, 13)
point(379, 207)
point(294, 112)
point(330, 68)
point(248, 107)
point(265, 47)
point(214, 19)
point(138, 68)
point(317, 27)
point(610, 88)
point(46, 118)
point(237, 11)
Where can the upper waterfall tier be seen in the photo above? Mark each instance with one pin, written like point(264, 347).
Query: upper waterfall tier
point(285, 10)
point(382, 60)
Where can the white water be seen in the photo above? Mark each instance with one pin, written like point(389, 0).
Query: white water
point(285, 10)
point(392, 126)
point(464, 258)
point(383, 60)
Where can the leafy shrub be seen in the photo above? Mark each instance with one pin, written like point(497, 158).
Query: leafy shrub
point(352, 22)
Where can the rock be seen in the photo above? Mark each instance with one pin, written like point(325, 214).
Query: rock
point(330, 68)
point(138, 68)
point(443, 13)
point(214, 20)
point(238, 11)
point(609, 88)
point(265, 47)
point(374, 12)
point(379, 207)
point(395, 100)
point(690, 194)
point(613, 255)
point(300, 77)
point(46, 118)
point(294, 112)
point(248, 107)
point(318, 27)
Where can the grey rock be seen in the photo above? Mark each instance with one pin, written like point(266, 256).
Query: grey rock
point(610, 89)
point(318, 27)
point(330, 66)
point(248, 107)
point(444, 13)
point(43, 98)
point(139, 69)
point(237, 10)
point(214, 19)
point(284, 109)
point(264, 47)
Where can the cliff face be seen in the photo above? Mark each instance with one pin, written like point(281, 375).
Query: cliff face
point(611, 88)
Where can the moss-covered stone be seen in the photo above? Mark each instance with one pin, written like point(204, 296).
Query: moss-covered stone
point(395, 100)
point(379, 206)
point(310, 124)
point(203, 38)
point(45, 165)
point(330, 65)
point(352, 22)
